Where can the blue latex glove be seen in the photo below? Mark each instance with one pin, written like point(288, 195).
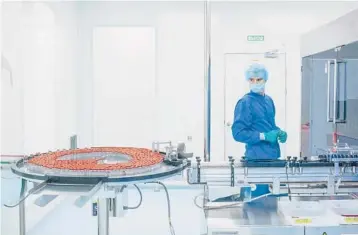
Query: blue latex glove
point(272, 136)
point(282, 136)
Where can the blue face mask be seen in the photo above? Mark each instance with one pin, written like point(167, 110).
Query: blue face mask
point(257, 88)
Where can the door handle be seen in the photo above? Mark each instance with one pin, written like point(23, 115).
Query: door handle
point(335, 71)
point(329, 119)
point(228, 124)
point(340, 95)
point(328, 90)
point(335, 93)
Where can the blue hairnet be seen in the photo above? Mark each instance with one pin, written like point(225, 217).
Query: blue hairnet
point(257, 71)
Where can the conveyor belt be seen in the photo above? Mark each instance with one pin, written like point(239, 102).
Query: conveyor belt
point(282, 163)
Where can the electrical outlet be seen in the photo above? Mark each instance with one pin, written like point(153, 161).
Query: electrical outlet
point(190, 138)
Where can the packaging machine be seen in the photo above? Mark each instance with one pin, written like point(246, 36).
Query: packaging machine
point(308, 196)
point(100, 176)
point(314, 195)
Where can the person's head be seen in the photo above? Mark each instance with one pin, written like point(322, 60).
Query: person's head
point(257, 76)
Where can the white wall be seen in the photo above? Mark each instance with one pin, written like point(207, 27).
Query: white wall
point(124, 86)
point(179, 68)
point(179, 43)
point(11, 94)
point(66, 71)
point(281, 23)
point(65, 105)
point(38, 54)
point(38, 111)
point(56, 100)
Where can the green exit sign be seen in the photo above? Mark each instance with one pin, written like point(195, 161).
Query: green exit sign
point(256, 38)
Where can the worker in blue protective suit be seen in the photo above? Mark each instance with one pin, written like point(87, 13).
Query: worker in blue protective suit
point(254, 119)
point(254, 122)
point(254, 125)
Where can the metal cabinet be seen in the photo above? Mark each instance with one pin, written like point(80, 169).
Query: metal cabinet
point(330, 99)
point(347, 106)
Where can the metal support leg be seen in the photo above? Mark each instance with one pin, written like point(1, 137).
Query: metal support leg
point(22, 218)
point(207, 80)
point(73, 142)
point(103, 216)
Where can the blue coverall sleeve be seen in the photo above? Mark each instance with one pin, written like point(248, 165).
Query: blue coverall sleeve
point(242, 127)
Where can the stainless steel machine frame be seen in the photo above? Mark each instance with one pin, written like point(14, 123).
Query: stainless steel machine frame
point(313, 179)
point(108, 189)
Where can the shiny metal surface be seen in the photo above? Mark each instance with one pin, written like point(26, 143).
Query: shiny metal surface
point(207, 82)
point(22, 215)
point(259, 218)
point(332, 230)
point(307, 187)
point(38, 173)
point(103, 216)
point(265, 218)
point(310, 177)
point(44, 200)
point(262, 212)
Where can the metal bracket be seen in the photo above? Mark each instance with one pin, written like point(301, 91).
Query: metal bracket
point(198, 169)
point(44, 200)
point(276, 186)
point(110, 202)
point(232, 171)
point(246, 171)
point(156, 145)
point(82, 200)
point(272, 54)
point(116, 195)
point(338, 184)
point(338, 48)
point(73, 142)
point(330, 185)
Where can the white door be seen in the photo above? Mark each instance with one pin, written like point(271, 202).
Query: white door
point(236, 87)
point(124, 86)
